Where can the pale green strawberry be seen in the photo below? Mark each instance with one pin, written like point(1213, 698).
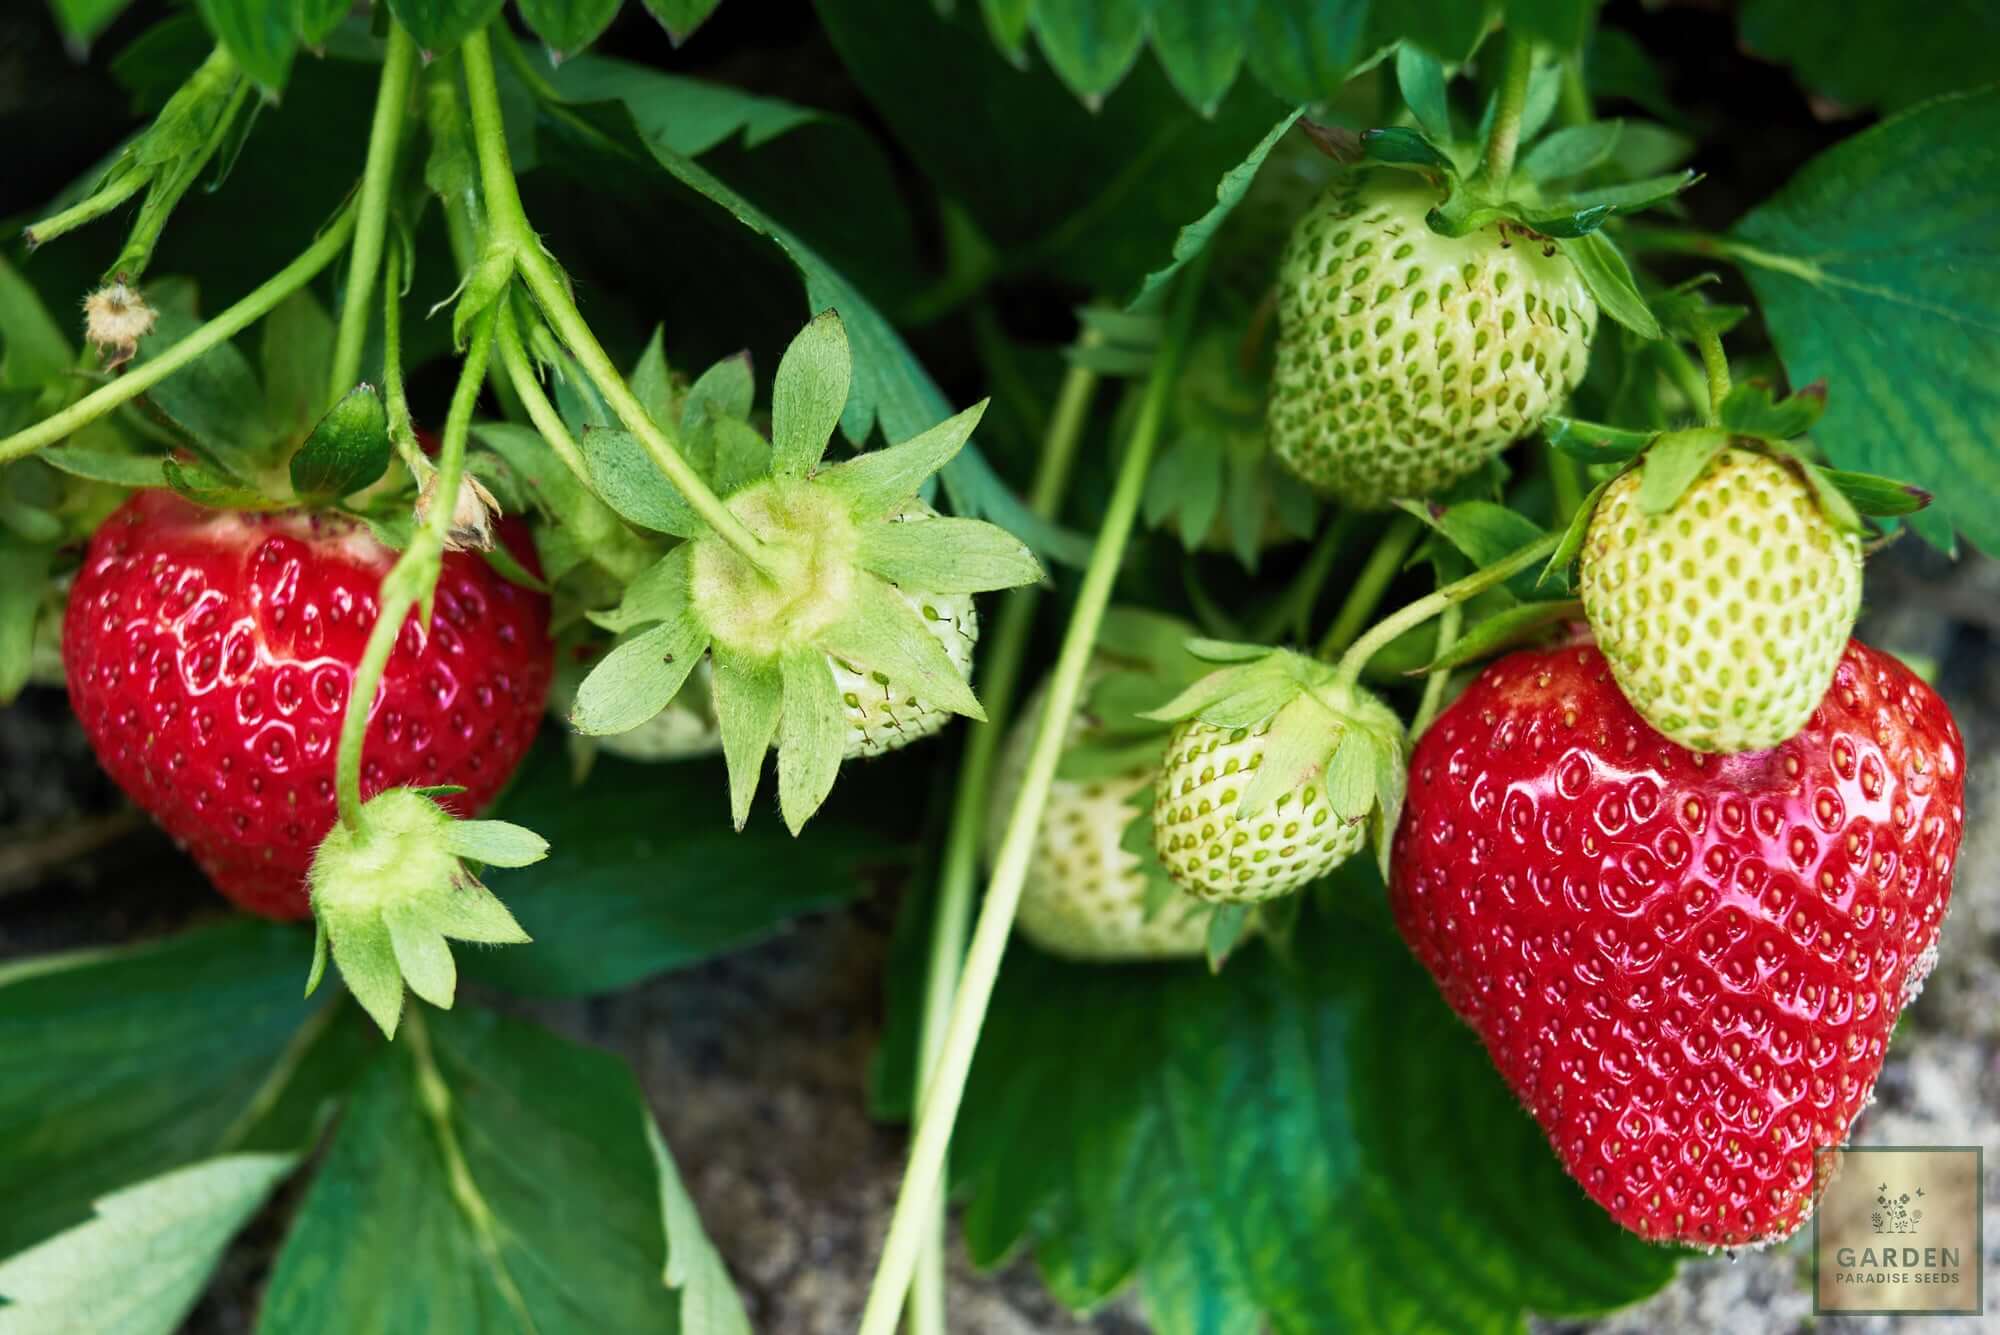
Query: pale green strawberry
point(1406, 359)
point(1723, 615)
point(1272, 777)
point(1085, 895)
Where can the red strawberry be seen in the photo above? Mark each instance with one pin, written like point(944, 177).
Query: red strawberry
point(209, 656)
point(1687, 966)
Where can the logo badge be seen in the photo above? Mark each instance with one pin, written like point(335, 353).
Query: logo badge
point(1899, 1230)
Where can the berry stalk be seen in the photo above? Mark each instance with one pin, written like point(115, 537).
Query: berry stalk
point(960, 865)
point(1427, 708)
point(508, 226)
point(1715, 363)
point(219, 330)
point(1423, 609)
point(1366, 593)
point(385, 136)
point(402, 431)
point(86, 210)
point(937, 1109)
point(412, 579)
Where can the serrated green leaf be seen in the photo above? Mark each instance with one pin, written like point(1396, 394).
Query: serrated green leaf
point(1862, 55)
point(947, 555)
point(1594, 442)
point(1571, 151)
point(27, 573)
point(879, 481)
point(1673, 462)
point(640, 677)
point(709, 1304)
point(624, 475)
point(1091, 46)
point(568, 26)
point(811, 735)
point(34, 351)
point(749, 699)
point(121, 470)
point(681, 17)
point(1873, 495)
point(1421, 80)
point(144, 1258)
point(207, 487)
point(83, 20)
point(521, 1172)
point(129, 1063)
point(1483, 531)
point(1506, 629)
point(880, 632)
point(1118, 1152)
point(1563, 24)
point(1609, 279)
point(1199, 45)
point(1304, 50)
point(295, 355)
point(808, 394)
point(1752, 410)
point(349, 449)
point(440, 25)
point(1837, 260)
point(1195, 236)
point(215, 399)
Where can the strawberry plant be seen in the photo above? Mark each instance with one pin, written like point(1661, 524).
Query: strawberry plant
point(1313, 555)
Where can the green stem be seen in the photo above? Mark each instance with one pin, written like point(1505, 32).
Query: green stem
point(385, 137)
point(402, 430)
point(1566, 481)
point(1517, 64)
point(1427, 708)
point(411, 580)
point(528, 387)
point(508, 223)
point(1423, 609)
point(1688, 377)
point(218, 77)
point(1708, 245)
point(1383, 564)
point(1575, 93)
point(88, 210)
point(217, 331)
point(937, 1111)
point(1291, 611)
point(959, 868)
point(1715, 362)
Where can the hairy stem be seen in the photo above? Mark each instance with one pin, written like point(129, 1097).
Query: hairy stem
point(1517, 64)
point(87, 210)
point(413, 577)
point(1423, 609)
point(402, 431)
point(508, 223)
point(157, 368)
point(541, 413)
point(218, 77)
point(957, 872)
point(385, 137)
point(1566, 481)
point(937, 1110)
point(1376, 575)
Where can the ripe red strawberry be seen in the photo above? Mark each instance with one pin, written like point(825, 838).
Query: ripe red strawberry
point(1687, 966)
point(209, 656)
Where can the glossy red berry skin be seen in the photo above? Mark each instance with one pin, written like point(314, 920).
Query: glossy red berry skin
point(209, 657)
point(1686, 966)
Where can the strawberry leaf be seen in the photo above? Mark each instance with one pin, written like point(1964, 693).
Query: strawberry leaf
point(1420, 77)
point(1571, 151)
point(1282, 1111)
point(1752, 410)
point(1609, 279)
point(1673, 462)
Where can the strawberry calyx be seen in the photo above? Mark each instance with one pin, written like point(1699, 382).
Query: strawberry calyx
point(390, 890)
point(855, 591)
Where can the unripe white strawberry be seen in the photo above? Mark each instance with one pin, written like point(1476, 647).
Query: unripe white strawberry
point(1085, 896)
point(1724, 617)
point(1406, 358)
point(883, 714)
point(1214, 855)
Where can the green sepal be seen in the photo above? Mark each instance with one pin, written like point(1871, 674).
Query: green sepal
point(484, 284)
point(880, 481)
point(1573, 536)
point(1226, 925)
point(390, 891)
point(1350, 775)
point(625, 476)
point(1571, 151)
point(947, 555)
point(1672, 464)
point(882, 633)
point(810, 734)
point(348, 449)
point(658, 594)
point(1521, 624)
point(209, 487)
point(749, 698)
point(1840, 511)
point(808, 393)
point(725, 389)
point(740, 455)
point(1304, 737)
point(1750, 409)
point(1875, 495)
point(1594, 442)
point(1604, 271)
point(1481, 530)
point(1401, 146)
point(1632, 196)
point(1420, 77)
point(639, 678)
